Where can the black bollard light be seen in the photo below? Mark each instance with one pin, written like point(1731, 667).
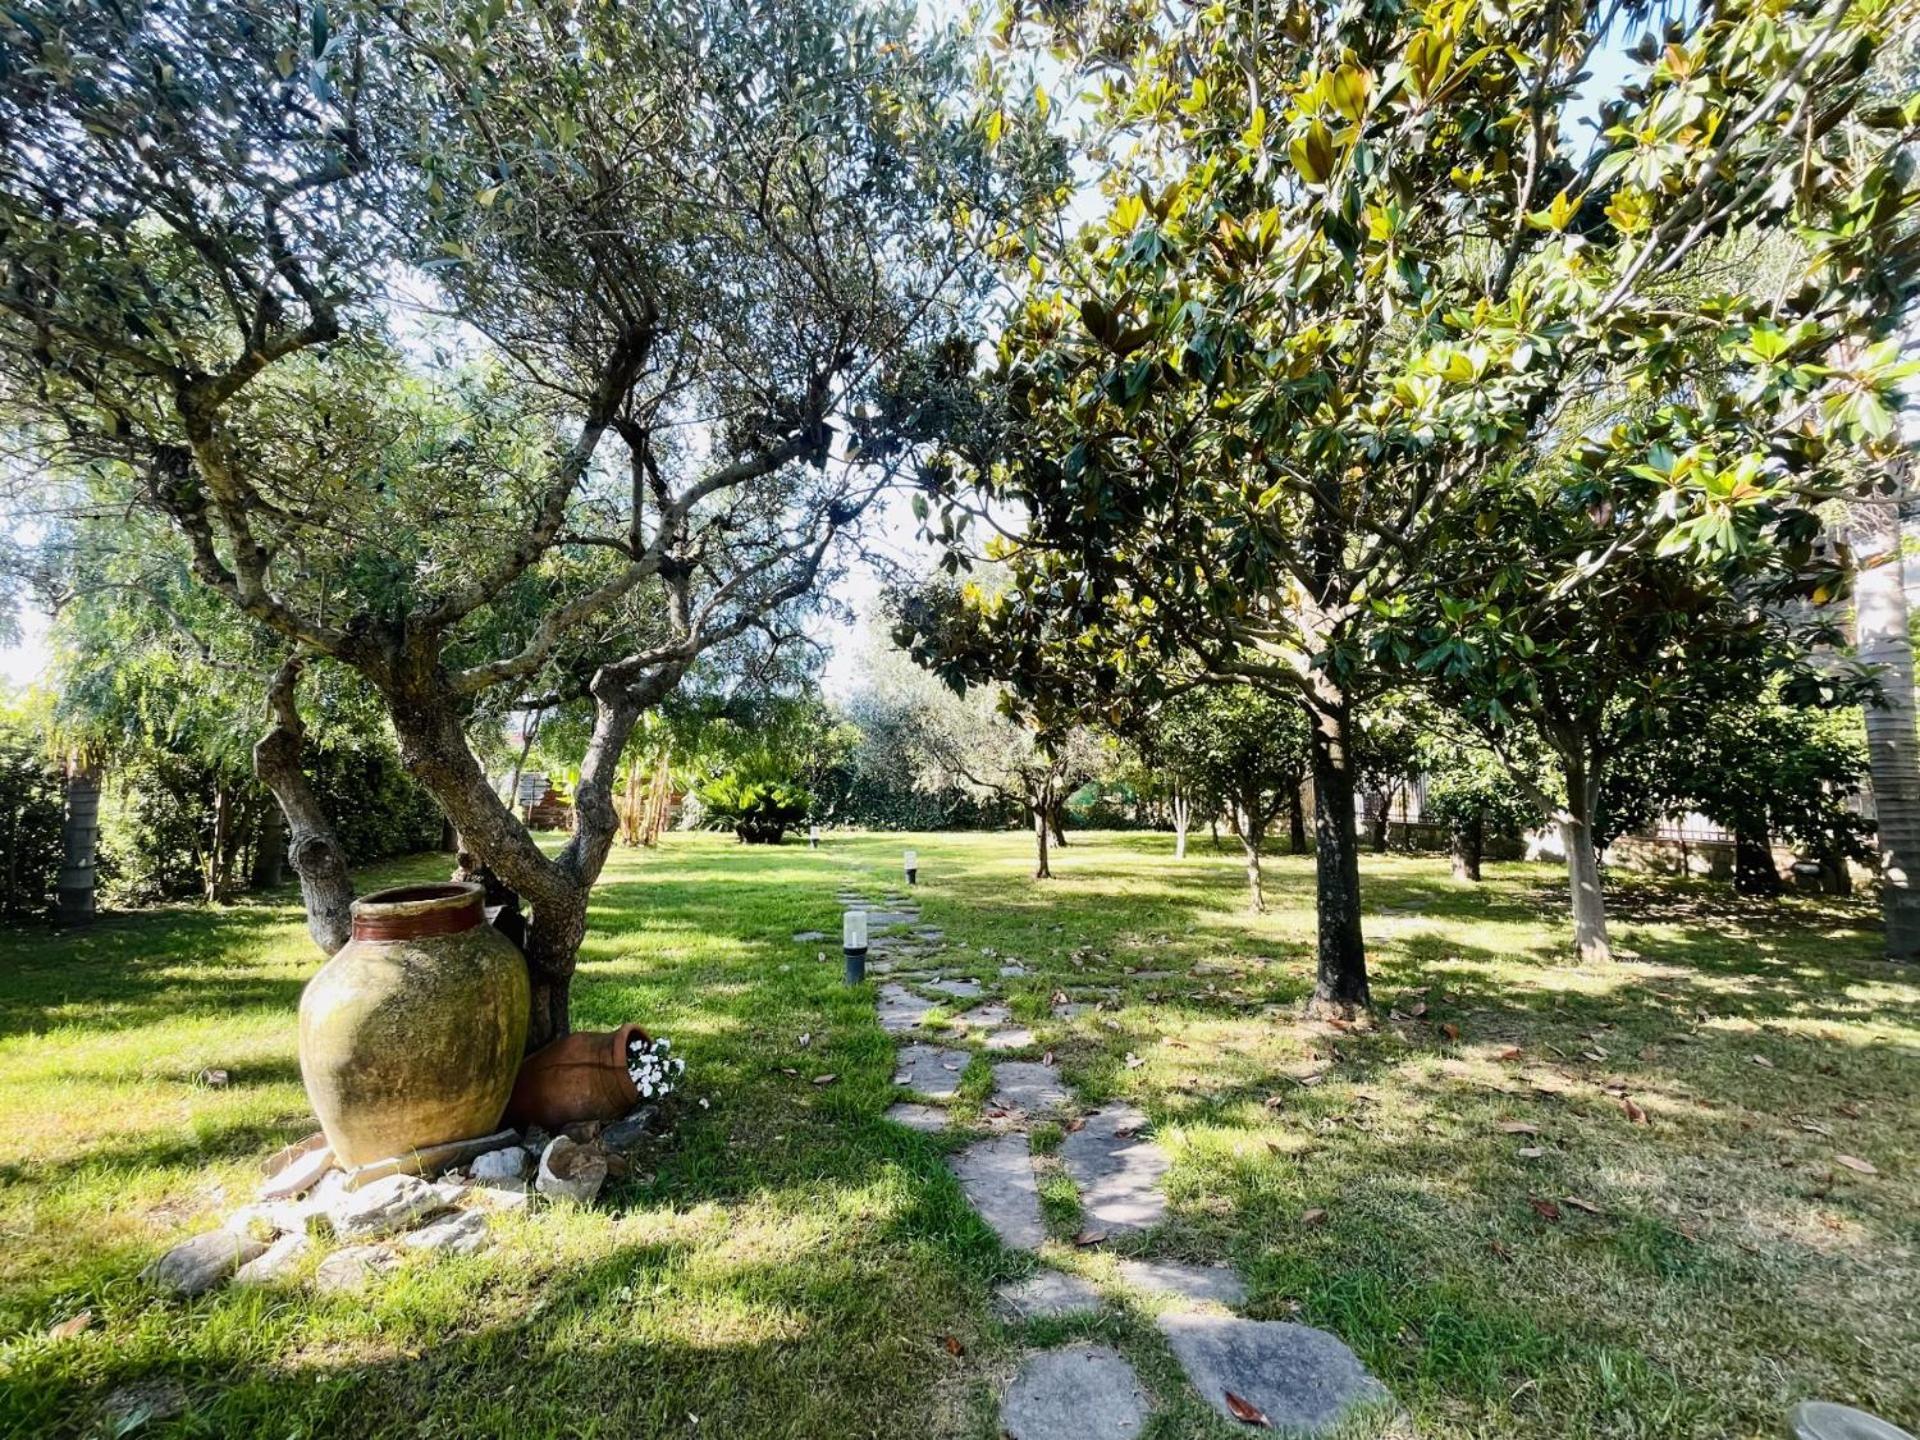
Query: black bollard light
point(853, 940)
point(912, 862)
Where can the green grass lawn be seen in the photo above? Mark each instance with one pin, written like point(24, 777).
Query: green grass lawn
point(786, 1263)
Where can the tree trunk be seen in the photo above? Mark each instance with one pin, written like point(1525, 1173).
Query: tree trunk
point(1056, 816)
point(1296, 822)
point(1882, 639)
point(79, 843)
point(1377, 820)
point(1340, 981)
point(313, 849)
point(1583, 862)
point(1835, 877)
point(217, 853)
point(1250, 841)
point(1469, 844)
point(1041, 869)
point(270, 852)
point(1182, 814)
point(1754, 872)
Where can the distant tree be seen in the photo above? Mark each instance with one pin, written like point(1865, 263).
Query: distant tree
point(1472, 793)
point(1240, 750)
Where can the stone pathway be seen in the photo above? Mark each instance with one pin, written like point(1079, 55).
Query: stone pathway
point(1119, 1173)
point(997, 1176)
point(1047, 1294)
point(930, 1071)
point(1028, 1085)
point(1299, 1379)
point(1078, 1392)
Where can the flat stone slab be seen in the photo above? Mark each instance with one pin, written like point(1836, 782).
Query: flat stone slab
point(1119, 1172)
point(927, 1119)
point(959, 989)
point(1072, 1010)
point(1301, 1378)
point(1010, 971)
point(928, 1070)
point(985, 1017)
point(1017, 1038)
point(1824, 1420)
point(929, 932)
point(901, 1010)
point(1078, 1392)
point(1046, 1294)
point(1203, 1284)
point(888, 919)
point(1028, 1085)
point(997, 1176)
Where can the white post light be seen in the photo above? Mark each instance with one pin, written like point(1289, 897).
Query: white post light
point(853, 940)
point(813, 837)
point(912, 865)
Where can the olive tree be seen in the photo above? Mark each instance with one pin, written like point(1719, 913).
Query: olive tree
point(496, 360)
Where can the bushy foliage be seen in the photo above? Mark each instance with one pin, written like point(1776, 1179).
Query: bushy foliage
point(758, 800)
point(31, 797)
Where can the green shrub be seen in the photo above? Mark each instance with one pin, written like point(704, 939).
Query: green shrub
point(31, 800)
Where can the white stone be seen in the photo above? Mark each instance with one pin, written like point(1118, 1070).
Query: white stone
point(462, 1233)
point(352, 1268)
point(395, 1202)
point(300, 1174)
point(508, 1164)
point(274, 1263)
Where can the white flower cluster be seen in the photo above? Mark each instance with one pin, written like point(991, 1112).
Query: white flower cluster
point(653, 1070)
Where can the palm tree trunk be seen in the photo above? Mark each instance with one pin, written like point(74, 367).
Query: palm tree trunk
point(1882, 639)
point(79, 841)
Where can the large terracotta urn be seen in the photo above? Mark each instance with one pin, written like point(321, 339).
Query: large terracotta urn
point(411, 1035)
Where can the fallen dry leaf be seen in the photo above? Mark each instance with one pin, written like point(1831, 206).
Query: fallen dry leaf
point(1450, 1030)
point(1512, 1052)
point(1134, 1062)
point(1530, 1152)
point(1418, 1009)
point(1312, 1217)
point(1246, 1412)
point(1587, 1205)
point(954, 1347)
point(1632, 1111)
point(1047, 1059)
point(1761, 1061)
point(825, 1079)
point(71, 1326)
point(1854, 1162)
point(1546, 1209)
point(1090, 1237)
point(1079, 1122)
point(1518, 1127)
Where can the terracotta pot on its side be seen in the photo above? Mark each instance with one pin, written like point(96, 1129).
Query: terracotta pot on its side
point(578, 1077)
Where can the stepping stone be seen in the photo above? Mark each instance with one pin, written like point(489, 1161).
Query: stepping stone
point(901, 1010)
point(1079, 1392)
point(1008, 972)
point(1207, 1284)
point(808, 936)
point(1118, 1173)
point(985, 1017)
point(1017, 1038)
point(1046, 1294)
point(1071, 1011)
point(959, 989)
point(928, 932)
point(927, 1119)
point(997, 1176)
point(928, 1070)
point(1028, 1085)
point(1824, 1420)
point(1303, 1379)
point(887, 919)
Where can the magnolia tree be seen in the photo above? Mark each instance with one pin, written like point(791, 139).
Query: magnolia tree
point(501, 362)
point(1354, 263)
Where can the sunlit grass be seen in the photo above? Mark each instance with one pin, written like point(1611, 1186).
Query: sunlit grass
point(785, 1263)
